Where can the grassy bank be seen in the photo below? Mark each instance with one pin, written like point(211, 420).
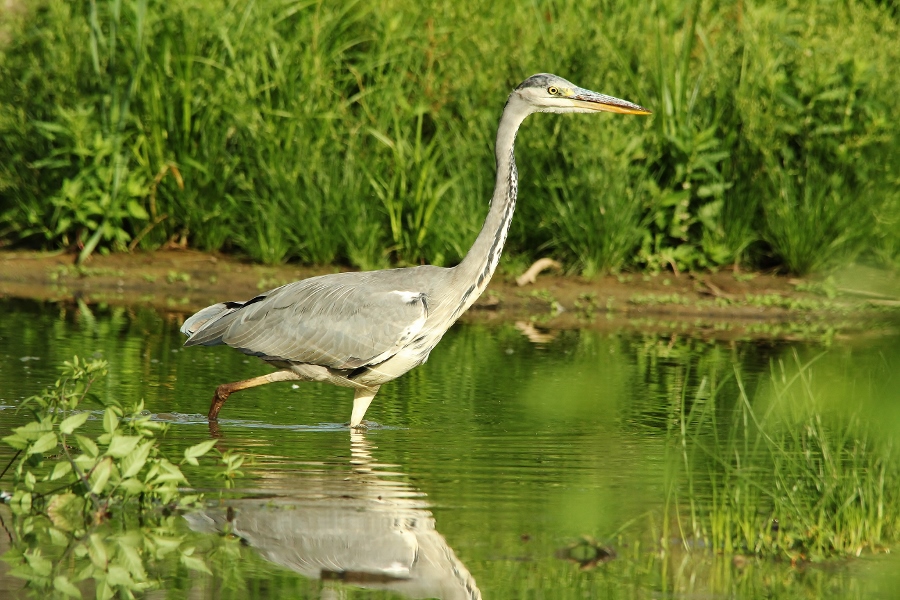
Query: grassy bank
point(362, 133)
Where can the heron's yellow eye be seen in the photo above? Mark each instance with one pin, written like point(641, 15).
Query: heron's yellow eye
point(553, 90)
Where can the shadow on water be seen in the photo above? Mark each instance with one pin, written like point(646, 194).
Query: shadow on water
point(363, 527)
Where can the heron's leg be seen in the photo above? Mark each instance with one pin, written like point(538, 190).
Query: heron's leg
point(362, 397)
point(226, 389)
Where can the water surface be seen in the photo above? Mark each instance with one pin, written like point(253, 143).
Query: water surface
point(483, 472)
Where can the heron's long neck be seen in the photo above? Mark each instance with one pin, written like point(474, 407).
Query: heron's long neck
point(476, 269)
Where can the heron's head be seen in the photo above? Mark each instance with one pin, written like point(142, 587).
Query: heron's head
point(549, 93)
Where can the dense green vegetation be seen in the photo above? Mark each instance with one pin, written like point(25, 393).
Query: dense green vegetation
point(362, 133)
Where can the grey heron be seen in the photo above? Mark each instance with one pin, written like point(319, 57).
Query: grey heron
point(361, 330)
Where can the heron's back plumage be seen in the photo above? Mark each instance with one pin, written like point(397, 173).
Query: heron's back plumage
point(341, 321)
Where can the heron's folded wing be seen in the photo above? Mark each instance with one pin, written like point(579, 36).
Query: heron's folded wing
point(332, 321)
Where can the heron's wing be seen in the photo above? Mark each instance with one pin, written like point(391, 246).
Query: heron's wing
point(339, 321)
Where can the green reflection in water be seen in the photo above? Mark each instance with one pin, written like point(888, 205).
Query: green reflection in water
point(516, 450)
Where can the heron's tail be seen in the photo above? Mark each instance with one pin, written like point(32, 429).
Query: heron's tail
point(207, 326)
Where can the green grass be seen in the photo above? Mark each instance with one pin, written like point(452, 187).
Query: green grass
point(362, 133)
point(794, 471)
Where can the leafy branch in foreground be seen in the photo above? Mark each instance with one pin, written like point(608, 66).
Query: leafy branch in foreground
point(67, 483)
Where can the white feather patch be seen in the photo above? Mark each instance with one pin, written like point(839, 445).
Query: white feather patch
point(409, 332)
point(408, 297)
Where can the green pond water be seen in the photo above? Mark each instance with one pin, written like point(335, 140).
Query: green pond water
point(584, 465)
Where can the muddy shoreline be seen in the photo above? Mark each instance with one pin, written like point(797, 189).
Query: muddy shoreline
point(720, 305)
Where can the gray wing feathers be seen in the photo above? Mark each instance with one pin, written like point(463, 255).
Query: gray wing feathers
point(202, 319)
point(207, 326)
point(341, 322)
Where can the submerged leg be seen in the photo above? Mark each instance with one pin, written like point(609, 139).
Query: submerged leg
point(226, 389)
point(361, 400)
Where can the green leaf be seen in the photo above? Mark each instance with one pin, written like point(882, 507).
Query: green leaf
point(189, 501)
point(44, 443)
point(110, 420)
point(66, 511)
point(85, 462)
point(39, 564)
point(199, 450)
point(132, 464)
point(16, 441)
point(72, 423)
point(58, 538)
point(61, 469)
point(122, 445)
point(104, 592)
point(101, 475)
point(87, 446)
point(97, 551)
point(21, 501)
point(232, 460)
point(195, 564)
point(131, 559)
point(35, 429)
point(132, 486)
point(162, 545)
point(165, 471)
point(119, 576)
point(137, 211)
point(62, 584)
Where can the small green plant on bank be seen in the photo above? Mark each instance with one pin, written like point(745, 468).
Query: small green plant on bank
point(71, 490)
point(587, 306)
point(827, 287)
point(66, 271)
point(659, 299)
point(178, 277)
point(543, 295)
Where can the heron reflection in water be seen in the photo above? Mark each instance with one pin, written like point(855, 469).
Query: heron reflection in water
point(361, 330)
point(368, 529)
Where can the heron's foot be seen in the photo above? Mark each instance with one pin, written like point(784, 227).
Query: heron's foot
point(361, 426)
point(214, 431)
point(218, 400)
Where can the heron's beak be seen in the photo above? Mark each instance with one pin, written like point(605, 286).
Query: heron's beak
point(601, 102)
